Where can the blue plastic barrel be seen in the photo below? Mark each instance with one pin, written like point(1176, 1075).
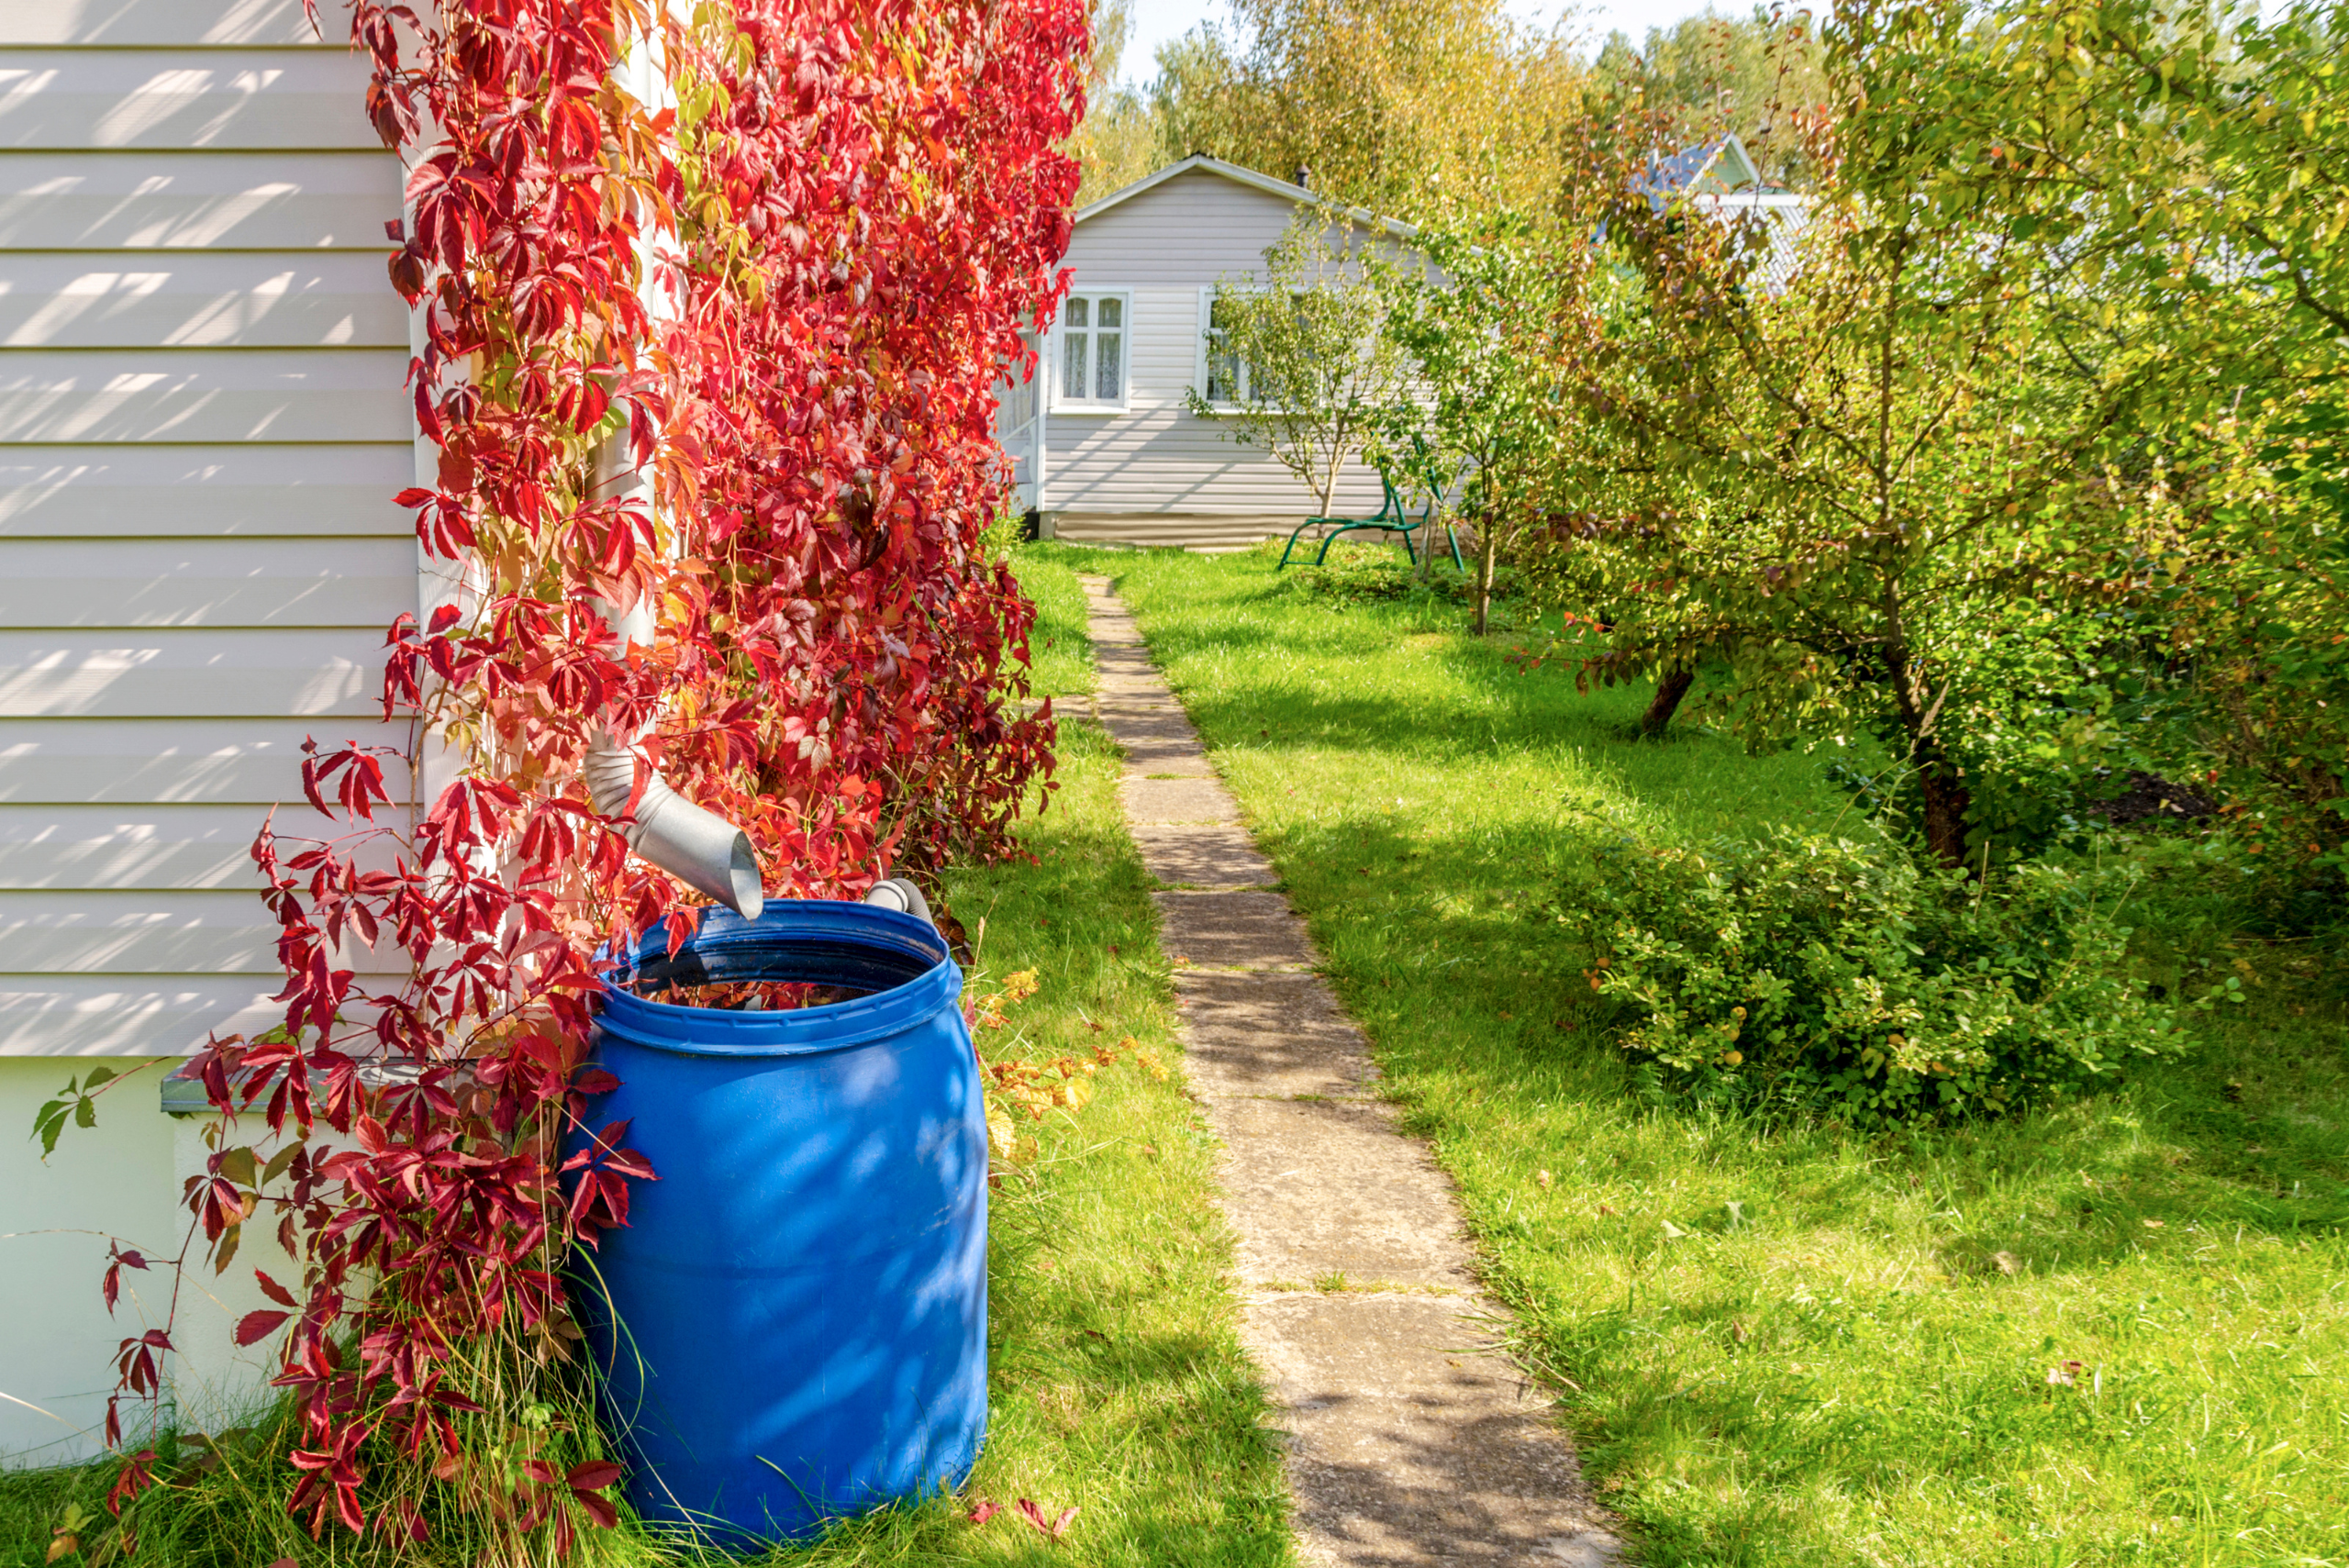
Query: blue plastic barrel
point(793, 1325)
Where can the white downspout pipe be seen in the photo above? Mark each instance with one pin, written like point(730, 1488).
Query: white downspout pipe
point(663, 828)
point(690, 842)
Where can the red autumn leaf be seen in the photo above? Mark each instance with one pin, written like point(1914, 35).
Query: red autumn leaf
point(1054, 1528)
point(136, 1476)
point(255, 1327)
point(274, 1291)
point(593, 1476)
point(983, 1510)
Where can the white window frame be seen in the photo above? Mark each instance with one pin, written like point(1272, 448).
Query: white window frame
point(1062, 402)
point(1199, 355)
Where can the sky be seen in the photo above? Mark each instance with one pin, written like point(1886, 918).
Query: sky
point(1161, 21)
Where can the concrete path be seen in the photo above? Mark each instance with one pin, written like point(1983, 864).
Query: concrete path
point(1410, 1441)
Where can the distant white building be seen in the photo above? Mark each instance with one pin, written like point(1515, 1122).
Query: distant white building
point(1102, 445)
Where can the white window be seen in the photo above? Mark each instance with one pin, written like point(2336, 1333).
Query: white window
point(1090, 368)
point(1224, 379)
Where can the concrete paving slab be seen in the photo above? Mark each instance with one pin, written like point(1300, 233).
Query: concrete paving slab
point(1149, 801)
point(1201, 854)
point(1163, 725)
point(1277, 1002)
point(1325, 1189)
point(1166, 759)
point(1141, 706)
point(1243, 1065)
point(1232, 930)
point(1410, 1444)
point(1264, 1023)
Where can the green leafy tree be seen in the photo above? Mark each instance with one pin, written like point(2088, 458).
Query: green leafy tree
point(1855, 482)
point(1296, 363)
point(2182, 175)
point(1708, 75)
point(1403, 106)
point(1477, 322)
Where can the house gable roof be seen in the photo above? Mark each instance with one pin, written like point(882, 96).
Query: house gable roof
point(1204, 163)
point(1711, 167)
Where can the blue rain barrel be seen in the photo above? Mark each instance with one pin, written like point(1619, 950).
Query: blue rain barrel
point(793, 1325)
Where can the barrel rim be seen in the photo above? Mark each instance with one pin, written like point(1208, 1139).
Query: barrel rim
point(684, 1030)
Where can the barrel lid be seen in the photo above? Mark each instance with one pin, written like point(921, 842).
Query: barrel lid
point(823, 939)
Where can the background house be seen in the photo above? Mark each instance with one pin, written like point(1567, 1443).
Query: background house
point(202, 422)
point(1720, 178)
point(1102, 445)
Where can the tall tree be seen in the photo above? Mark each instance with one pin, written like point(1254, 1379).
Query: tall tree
point(2183, 175)
point(1122, 137)
point(1709, 75)
point(1403, 106)
point(1859, 486)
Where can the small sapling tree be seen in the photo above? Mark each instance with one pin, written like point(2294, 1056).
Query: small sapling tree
point(1478, 325)
point(1296, 363)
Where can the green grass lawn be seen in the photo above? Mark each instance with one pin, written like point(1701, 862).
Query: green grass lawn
point(1783, 1344)
point(1117, 1382)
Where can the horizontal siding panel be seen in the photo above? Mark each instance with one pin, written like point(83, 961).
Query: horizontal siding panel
point(155, 674)
point(187, 760)
point(138, 933)
point(70, 850)
point(89, 492)
point(1207, 535)
point(171, 847)
point(100, 201)
point(203, 394)
point(177, 100)
point(214, 583)
point(239, 299)
point(1189, 231)
point(121, 22)
point(1166, 460)
point(129, 1015)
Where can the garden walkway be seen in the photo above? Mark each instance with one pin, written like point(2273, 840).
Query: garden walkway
point(1410, 1438)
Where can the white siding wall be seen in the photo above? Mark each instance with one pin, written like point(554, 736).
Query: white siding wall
point(202, 422)
point(1164, 246)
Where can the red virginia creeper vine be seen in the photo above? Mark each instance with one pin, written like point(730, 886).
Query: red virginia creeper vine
point(858, 206)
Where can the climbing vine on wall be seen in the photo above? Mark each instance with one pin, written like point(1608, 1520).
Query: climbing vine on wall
point(722, 351)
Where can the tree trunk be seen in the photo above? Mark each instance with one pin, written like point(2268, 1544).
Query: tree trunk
point(1668, 693)
point(1488, 552)
point(1947, 801)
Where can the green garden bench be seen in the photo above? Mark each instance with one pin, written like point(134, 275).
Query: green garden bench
point(1391, 517)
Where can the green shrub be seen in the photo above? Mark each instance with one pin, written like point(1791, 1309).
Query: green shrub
point(1811, 970)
